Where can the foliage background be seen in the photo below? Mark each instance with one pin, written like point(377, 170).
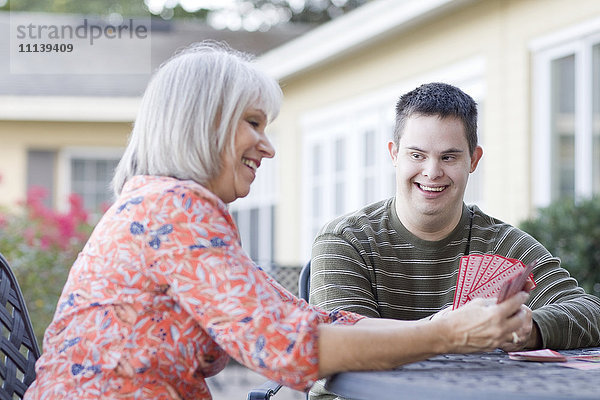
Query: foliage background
point(40, 245)
point(294, 11)
point(570, 230)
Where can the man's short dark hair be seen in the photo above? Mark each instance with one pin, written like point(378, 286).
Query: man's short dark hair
point(438, 99)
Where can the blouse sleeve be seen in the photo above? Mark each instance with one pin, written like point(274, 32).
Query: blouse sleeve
point(190, 243)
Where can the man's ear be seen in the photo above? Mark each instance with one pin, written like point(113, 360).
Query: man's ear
point(393, 149)
point(477, 154)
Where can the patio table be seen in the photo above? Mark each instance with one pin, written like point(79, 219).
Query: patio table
point(489, 376)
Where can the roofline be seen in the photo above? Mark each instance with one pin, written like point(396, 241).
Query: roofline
point(370, 22)
point(69, 109)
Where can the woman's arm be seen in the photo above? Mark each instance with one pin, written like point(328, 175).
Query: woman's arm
point(480, 325)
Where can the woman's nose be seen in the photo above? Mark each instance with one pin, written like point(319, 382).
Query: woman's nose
point(266, 148)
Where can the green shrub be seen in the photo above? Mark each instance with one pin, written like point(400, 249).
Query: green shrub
point(41, 244)
point(571, 230)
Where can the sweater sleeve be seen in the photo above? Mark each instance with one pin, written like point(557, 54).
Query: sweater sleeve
point(340, 278)
point(566, 316)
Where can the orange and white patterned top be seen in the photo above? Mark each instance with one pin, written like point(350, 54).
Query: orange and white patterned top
point(160, 297)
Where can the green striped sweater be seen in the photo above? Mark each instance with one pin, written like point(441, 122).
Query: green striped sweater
point(367, 262)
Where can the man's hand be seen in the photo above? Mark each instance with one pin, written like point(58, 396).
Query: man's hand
point(526, 338)
point(485, 325)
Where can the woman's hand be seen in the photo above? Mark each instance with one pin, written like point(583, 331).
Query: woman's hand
point(484, 325)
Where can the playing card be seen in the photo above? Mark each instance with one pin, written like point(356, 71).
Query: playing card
point(489, 275)
point(537, 355)
point(496, 263)
point(492, 287)
point(459, 280)
point(470, 273)
point(485, 263)
point(497, 266)
point(517, 283)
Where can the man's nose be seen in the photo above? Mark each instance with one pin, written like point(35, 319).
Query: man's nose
point(433, 169)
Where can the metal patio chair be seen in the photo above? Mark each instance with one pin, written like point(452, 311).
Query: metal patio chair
point(270, 388)
point(18, 346)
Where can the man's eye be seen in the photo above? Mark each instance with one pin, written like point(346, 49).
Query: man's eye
point(254, 123)
point(416, 156)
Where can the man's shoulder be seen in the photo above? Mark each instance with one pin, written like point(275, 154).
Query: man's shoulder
point(371, 216)
point(487, 225)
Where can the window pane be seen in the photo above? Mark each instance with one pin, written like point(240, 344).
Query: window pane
point(340, 155)
point(78, 170)
point(596, 119)
point(90, 179)
point(339, 198)
point(316, 160)
point(40, 172)
point(316, 201)
point(563, 127)
point(369, 190)
point(254, 236)
point(369, 148)
point(272, 234)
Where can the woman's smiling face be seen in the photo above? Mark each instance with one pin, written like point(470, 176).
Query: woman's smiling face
point(238, 170)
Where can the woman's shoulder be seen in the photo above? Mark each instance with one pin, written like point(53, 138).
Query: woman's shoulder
point(151, 192)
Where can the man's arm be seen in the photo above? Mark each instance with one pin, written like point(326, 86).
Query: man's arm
point(564, 314)
point(340, 278)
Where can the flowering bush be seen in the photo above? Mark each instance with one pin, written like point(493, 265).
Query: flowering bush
point(40, 245)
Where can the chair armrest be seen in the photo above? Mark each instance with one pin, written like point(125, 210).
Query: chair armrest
point(264, 391)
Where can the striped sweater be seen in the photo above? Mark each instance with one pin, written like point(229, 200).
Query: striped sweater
point(368, 262)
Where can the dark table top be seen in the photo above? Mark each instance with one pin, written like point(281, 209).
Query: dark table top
point(489, 376)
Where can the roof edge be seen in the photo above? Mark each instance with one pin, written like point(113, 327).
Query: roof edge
point(68, 109)
point(346, 33)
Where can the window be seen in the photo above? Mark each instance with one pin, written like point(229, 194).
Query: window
point(350, 168)
point(596, 118)
point(90, 178)
point(562, 126)
point(88, 172)
point(566, 121)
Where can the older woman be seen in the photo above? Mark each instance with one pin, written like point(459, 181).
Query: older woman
point(163, 294)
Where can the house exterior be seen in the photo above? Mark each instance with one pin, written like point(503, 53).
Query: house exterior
point(533, 66)
point(65, 122)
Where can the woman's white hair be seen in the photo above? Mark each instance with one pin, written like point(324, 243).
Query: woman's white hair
point(189, 113)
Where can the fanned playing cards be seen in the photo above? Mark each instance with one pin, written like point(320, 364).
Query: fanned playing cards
point(490, 275)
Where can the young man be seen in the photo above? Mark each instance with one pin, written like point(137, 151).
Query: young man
point(399, 258)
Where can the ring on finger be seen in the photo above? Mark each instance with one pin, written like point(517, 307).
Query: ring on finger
point(515, 337)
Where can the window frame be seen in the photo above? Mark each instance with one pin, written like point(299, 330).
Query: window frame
point(578, 41)
point(65, 157)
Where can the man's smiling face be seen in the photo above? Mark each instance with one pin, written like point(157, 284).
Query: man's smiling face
point(432, 163)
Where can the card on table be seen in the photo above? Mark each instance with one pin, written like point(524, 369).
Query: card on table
point(490, 276)
point(537, 355)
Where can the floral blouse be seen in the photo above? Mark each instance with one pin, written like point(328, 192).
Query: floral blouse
point(160, 297)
